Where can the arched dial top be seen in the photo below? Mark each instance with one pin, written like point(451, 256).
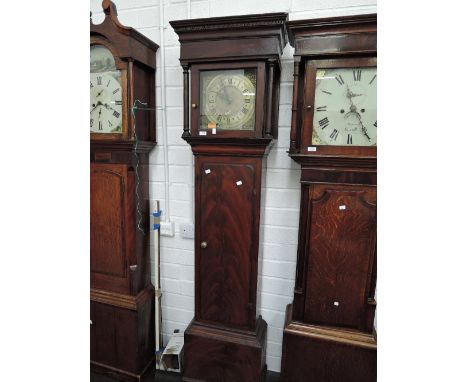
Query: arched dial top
point(228, 99)
point(345, 107)
point(105, 92)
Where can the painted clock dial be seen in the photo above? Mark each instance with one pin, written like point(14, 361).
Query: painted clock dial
point(105, 92)
point(228, 99)
point(345, 108)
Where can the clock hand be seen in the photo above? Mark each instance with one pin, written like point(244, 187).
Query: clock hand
point(108, 107)
point(363, 129)
point(99, 103)
point(100, 93)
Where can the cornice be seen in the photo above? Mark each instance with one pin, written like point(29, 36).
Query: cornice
point(230, 22)
point(328, 24)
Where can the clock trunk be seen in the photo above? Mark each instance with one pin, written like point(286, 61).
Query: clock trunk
point(228, 173)
point(122, 296)
point(329, 330)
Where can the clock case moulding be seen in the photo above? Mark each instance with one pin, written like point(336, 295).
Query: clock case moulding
point(319, 345)
point(122, 296)
point(226, 340)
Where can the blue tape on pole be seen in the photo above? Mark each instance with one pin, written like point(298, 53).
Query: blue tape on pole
point(156, 226)
point(157, 214)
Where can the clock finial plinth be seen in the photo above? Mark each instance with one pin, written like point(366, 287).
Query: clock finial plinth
point(109, 8)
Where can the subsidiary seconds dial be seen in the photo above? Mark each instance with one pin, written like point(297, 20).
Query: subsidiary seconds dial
point(345, 110)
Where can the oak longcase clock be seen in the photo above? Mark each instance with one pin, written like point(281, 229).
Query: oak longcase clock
point(231, 100)
point(122, 71)
point(329, 331)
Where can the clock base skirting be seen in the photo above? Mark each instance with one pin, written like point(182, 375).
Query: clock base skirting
point(122, 334)
point(123, 375)
point(220, 354)
point(314, 353)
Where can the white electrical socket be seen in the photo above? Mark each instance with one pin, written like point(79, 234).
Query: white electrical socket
point(167, 228)
point(187, 230)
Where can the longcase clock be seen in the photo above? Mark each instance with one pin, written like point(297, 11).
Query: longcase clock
point(329, 331)
point(122, 71)
point(231, 100)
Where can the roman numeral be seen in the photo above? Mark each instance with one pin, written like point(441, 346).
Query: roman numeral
point(118, 102)
point(110, 123)
point(350, 139)
point(230, 81)
point(91, 84)
point(116, 114)
point(373, 78)
point(324, 91)
point(334, 134)
point(108, 83)
point(220, 117)
point(375, 124)
point(324, 122)
point(321, 108)
point(92, 121)
point(211, 100)
point(247, 100)
point(357, 74)
point(245, 110)
point(100, 125)
point(99, 80)
point(339, 79)
point(115, 91)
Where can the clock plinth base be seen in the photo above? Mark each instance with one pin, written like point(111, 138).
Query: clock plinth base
point(220, 354)
point(315, 353)
point(122, 334)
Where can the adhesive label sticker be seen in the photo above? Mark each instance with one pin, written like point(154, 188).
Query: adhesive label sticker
point(311, 148)
point(202, 133)
point(336, 303)
point(207, 171)
point(239, 182)
point(342, 207)
point(213, 131)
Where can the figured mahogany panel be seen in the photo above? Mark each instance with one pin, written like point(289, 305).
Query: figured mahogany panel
point(341, 254)
point(227, 201)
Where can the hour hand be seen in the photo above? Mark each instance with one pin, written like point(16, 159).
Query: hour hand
point(108, 106)
point(99, 103)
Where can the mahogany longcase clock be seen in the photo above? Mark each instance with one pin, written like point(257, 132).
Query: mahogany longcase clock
point(235, 70)
point(329, 331)
point(122, 71)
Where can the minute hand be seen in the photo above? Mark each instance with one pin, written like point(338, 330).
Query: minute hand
point(363, 129)
point(353, 110)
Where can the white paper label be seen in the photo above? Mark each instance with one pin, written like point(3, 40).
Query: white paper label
point(207, 171)
point(202, 133)
point(336, 303)
point(239, 182)
point(342, 207)
point(311, 148)
point(213, 131)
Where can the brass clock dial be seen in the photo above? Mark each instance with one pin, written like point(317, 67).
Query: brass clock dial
point(105, 92)
point(228, 99)
point(345, 109)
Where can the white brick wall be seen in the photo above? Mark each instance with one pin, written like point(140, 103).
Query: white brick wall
point(282, 191)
